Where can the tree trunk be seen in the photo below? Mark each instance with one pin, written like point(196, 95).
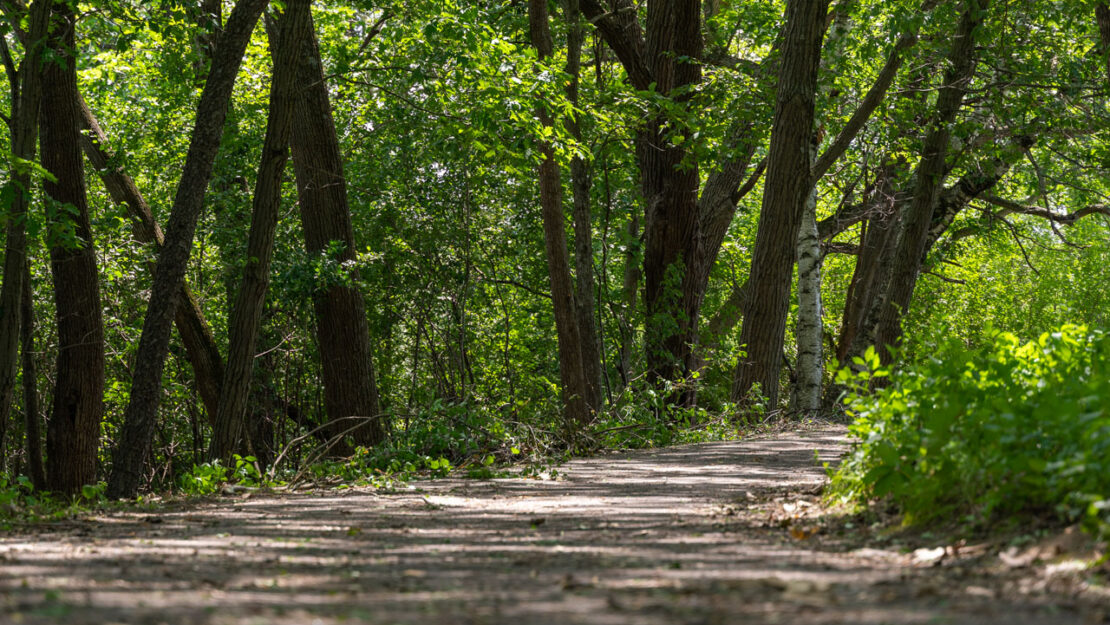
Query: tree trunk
point(246, 316)
point(146, 387)
point(583, 236)
point(788, 162)
point(26, 99)
point(342, 330)
point(196, 335)
point(670, 180)
point(1102, 17)
point(809, 329)
point(929, 177)
point(31, 418)
point(73, 431)
point(575, 385)
point(630, 286)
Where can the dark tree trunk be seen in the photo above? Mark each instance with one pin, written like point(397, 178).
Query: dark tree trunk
point(581, 183)
point(680, 230)
point(788, 162)
point(929, 178)
point(1102, 17)
point(73, 431)
point(575, 385)
point(32, 420)
point(669, 181)
point(246, 316)
point(26, 97)
point(200, 344)
point(342, 330)
point(146, 387)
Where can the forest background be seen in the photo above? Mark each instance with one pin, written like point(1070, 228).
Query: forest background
point(426, 232)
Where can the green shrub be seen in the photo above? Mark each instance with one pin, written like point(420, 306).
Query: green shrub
point(1005, 429)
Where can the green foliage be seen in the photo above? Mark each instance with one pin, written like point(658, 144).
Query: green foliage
point(1006, 428)
point(210, 477)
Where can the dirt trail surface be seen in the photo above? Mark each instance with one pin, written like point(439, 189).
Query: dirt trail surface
point(711, 533)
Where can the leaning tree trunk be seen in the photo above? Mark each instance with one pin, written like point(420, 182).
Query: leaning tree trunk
point(784, 199)
point(196, 335)
point(342, 330)
point(575, 385)
point(146, 386)
point(246, 316)
point(929, 178)
point(26, 98)
point(73, 431)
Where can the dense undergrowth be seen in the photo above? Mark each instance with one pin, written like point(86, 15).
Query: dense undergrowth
point(1004, 430)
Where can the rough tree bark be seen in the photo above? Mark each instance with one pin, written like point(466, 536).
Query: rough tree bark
point(788, 162)
point(73, 431)
point(26, 87)
point(575, 386)
point(929, 178)
point(341, 326)
point(246, 315)
point(146, 387)
point(581, 183)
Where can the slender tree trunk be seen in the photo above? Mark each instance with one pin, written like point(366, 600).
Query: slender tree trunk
point(73, 432)
point(26, 99)
point(630, 286)
point(196, 335)
point(246, 316)
point(581, 184)
point(32, 420)
point(929, 178)
point(784, 199)
point(146, 387)
point(342, 330)
point(809, 329)
point(575, 385)
point(1102, 17)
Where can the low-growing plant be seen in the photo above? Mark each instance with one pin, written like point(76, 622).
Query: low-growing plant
point(1004, 429)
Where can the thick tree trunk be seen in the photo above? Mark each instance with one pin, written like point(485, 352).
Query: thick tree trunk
point(31, 419)
point(246, 316)
point(146, 387)
point(26, 98)
point(929, 178)
point(196, 335)
point(581, 184)
point(575, 386)
point(73, 431)
point(342, 331)
point(811, 361)
point(670, 180)
point(788, 162)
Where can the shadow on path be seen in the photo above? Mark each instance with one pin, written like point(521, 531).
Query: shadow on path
point(660, 536)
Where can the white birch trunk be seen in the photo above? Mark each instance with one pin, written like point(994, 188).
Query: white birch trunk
point(810, 369)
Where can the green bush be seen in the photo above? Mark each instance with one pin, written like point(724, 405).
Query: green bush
point(1005, 429)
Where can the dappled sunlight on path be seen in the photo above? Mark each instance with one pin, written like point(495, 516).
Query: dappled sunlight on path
point(676, 535)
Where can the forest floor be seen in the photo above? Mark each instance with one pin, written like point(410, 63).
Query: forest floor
point(730, 532)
